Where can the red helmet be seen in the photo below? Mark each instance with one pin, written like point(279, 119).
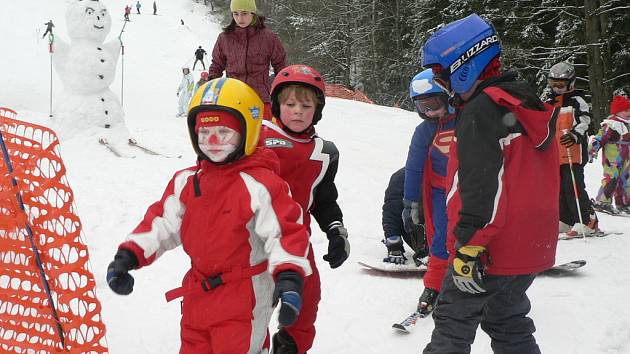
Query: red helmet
point(299, 74)
point(204, 75)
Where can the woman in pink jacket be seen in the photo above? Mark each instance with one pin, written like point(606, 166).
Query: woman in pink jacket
point(246, 48)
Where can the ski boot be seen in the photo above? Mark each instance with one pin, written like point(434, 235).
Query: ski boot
point(282, 343)
point(607, 208)
point(427, 300)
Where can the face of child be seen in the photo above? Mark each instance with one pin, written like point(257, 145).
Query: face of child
point(297, 115)
point(217, 142)
point(243, 18)
point(624, 114)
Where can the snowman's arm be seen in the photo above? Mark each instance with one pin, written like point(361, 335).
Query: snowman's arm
point(60, 52)
point(113, 48)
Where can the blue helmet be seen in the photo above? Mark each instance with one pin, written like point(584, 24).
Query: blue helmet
point(461, 51)
point(421, 86)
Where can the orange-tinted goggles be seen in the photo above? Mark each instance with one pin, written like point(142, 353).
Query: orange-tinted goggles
point(554, 83)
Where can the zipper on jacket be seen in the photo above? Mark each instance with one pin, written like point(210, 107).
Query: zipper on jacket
point(246, 53)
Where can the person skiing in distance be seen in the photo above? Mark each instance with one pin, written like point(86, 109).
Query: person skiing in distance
point(154, 8)
point(49, 28)
point(393, 227)
point(245, 50)
point(127, 12)
point(572, 134)
point(200, 53)
point(308, 164)
point(203, 78)
point(235, 219)
point(185, 91)
point(138, 6)
point(425, 169)
point(614, 140)
point(502, 178)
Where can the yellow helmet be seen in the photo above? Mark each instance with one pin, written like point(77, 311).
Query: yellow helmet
point(232, 96)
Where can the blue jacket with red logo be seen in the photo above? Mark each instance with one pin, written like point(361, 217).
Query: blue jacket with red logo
point(426, 165)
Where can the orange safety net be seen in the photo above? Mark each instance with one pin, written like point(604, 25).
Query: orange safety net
point(335, 90)
point(47, 305)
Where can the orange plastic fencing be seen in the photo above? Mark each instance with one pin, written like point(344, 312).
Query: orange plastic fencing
point(335, 90)
point(57, 312)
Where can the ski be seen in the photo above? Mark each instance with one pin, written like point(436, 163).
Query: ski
point(598, 233)
point(113, 149)
point(383, 267)
point(134, 142)
point(407, 324)
point(564, 268)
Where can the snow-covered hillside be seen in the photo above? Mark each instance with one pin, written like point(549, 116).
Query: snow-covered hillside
point(584, 313)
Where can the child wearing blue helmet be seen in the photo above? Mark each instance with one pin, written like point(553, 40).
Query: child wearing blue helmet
point(425, 177)
point(502, 193)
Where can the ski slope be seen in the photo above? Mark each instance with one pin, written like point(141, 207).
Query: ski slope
point(581, 314)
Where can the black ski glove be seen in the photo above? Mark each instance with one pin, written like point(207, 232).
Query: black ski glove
point(395, 250)
point(338, 245)
point(118, 277)
point(568, 139)
point(289, 287)
point(410, 215)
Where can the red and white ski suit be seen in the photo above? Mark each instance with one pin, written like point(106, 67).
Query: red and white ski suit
point(309, 164)
point(231, 221)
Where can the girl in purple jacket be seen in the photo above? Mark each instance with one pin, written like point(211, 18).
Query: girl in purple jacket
point(246, 48)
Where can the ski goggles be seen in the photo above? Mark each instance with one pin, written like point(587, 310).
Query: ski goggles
point(427, 104)
point(558, 83)
point(442, 78)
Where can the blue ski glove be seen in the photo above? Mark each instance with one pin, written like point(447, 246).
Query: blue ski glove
point(118, 277)
point(410, 215)
point(468, 270)
point(338, 245)
point(289, 287)
point(395, 250)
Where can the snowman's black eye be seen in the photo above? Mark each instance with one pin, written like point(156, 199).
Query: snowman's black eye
point(89, 10)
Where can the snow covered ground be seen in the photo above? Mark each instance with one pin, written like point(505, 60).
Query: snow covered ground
point(583, 313)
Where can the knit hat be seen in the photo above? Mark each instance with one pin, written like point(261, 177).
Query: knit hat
point(217, 118)
point(243, 5)
point(619, 104)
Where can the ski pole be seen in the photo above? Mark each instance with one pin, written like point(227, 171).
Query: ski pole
point(575, 191)
point(122, 66)
point(29, 231)
point(51, 39)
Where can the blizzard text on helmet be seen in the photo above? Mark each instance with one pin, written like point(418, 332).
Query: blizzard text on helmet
point(474, 50)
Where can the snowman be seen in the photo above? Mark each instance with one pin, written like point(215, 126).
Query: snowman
point(86, 68)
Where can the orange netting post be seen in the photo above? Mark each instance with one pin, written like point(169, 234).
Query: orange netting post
point(47, 298)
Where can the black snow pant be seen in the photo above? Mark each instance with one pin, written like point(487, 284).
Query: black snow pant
point(202, 63)
point(502, 312)
point(48, 30)
point(568, 207)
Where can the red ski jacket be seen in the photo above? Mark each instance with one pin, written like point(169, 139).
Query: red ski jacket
point(241, 215)
point(245, 54)
point(503, 178)
point(309, 164)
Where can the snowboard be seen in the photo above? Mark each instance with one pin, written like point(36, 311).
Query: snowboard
point(409, 268)
point(564, 268)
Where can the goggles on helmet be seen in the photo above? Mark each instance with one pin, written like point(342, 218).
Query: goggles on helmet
point(558, 83)
point(442, 78)
point(430, 103)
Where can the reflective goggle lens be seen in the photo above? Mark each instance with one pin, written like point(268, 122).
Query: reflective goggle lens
point(428, 104)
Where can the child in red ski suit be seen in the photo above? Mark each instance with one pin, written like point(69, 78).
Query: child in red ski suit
point(309, 164)
point(235, 218)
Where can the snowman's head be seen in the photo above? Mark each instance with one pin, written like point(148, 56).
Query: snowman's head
point(88, 19)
